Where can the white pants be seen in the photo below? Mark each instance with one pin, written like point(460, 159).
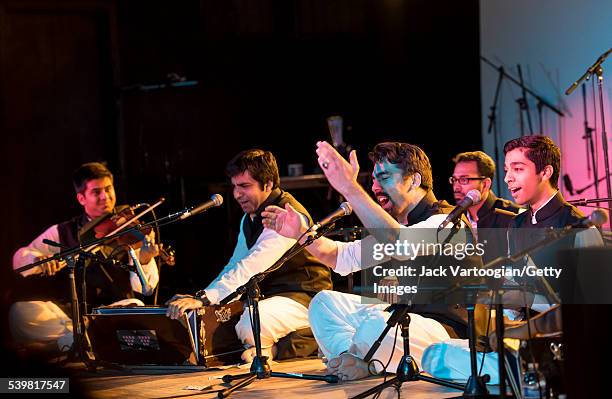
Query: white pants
point(451, 360)
point(44, 321)
point(341, 322)
point(279, 317)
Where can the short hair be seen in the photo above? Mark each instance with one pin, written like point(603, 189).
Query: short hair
point(409, 158)
point(89, 171)
point(485, 164)
point(261, 165)
point(540, 150)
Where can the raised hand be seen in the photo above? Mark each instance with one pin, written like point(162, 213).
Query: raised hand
point(287, 222)
point(342, 175)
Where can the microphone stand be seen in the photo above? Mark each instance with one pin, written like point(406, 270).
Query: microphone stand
point(493, 124)
point(525, 90)
point(580, 191)
point(551, 296)
point(81, 348)
point(584, 201)
point(523, 104)
point(408, 370)
point(260, 368)
point(522, 86)
point(588, 136)
point(597, 69)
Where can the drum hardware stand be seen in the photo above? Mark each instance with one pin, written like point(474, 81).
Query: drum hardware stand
point(260, 368)
point(597, 69)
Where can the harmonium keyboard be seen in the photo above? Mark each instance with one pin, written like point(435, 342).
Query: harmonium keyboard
point(144, 335)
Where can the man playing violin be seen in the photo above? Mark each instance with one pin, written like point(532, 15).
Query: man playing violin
point(39, 317)
point(287, 291)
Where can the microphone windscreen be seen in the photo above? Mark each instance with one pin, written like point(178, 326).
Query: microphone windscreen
point(474, 195)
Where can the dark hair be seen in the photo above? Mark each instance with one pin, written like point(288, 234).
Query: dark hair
point(410, 159)
point(89, 171)
point(540, 150)
point(260, 164)
point(485, 164)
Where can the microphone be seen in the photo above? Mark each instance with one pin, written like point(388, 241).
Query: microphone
point(345, 209)
point(139, 271)
point(214, 201)
point(598, 218)
point(472, 197)
point(53, 243)
point(568, 184)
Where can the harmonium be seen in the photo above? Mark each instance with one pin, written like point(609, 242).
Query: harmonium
point(144, 335)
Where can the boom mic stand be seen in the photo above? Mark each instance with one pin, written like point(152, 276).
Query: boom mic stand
point(493, 124)
point(81, 347)
point(407, 369)
point(552, 236)
point(525, 90)
point(524, 104)
point(588, 136)
point(597, 69)
point(260, 368)
point(584, 201)
point(583, 189)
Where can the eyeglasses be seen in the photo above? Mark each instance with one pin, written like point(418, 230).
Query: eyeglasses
point(463, 180)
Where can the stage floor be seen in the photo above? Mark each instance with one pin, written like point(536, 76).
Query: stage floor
point(168, 383)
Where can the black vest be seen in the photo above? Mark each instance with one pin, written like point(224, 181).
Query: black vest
point(301, 277)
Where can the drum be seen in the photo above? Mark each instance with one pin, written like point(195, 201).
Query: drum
point(146, 336)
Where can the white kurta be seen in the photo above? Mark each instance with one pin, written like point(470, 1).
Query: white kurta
point(279, 315)
point(341, 322)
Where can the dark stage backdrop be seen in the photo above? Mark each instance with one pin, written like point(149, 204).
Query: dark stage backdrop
point(78, 82)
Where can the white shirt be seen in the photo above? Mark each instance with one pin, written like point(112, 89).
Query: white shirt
point(245, 262)
point(28, 254)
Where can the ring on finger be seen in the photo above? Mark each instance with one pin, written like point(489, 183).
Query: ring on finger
point(325, 164)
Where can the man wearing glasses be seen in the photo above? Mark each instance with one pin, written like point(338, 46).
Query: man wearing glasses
point(475, 171)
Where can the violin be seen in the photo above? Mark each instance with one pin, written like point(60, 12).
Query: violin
point(121, 221)
point(126, 219)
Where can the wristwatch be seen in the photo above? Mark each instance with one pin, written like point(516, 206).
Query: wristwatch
point(201, 295)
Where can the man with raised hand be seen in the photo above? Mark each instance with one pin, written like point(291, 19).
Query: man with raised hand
point(405, 208)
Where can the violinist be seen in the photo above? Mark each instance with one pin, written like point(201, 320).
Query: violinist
point(39, 316)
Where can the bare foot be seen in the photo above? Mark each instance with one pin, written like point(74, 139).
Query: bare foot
point(249, 354)
point(348, 367)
